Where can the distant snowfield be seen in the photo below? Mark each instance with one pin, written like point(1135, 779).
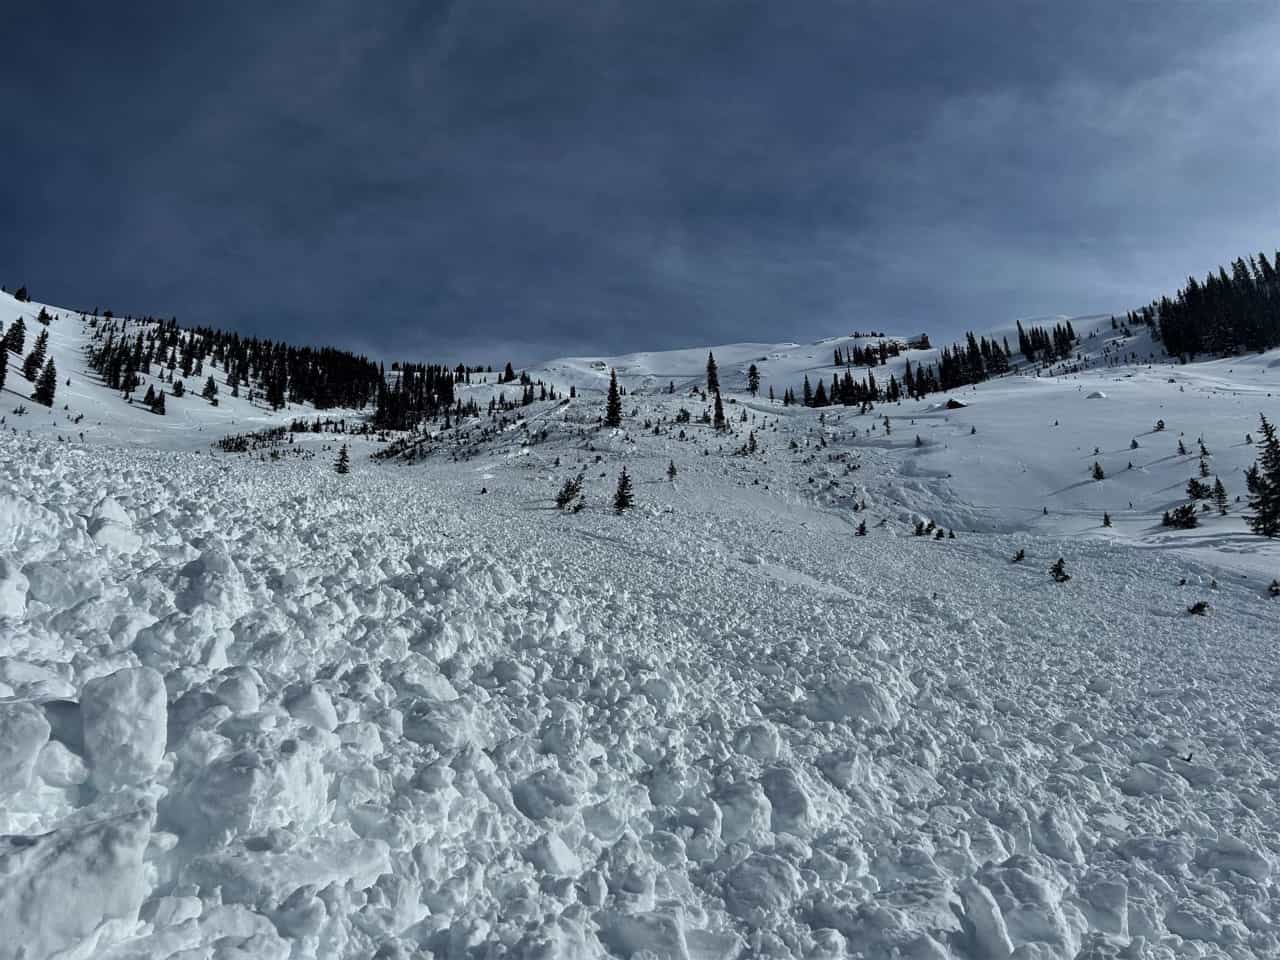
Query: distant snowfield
point(252, 708)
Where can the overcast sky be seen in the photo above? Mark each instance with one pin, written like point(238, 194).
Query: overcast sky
point(481, 180)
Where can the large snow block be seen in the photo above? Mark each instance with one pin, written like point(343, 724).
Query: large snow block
point(125, 722)
point(23, 731)
point(60, 888)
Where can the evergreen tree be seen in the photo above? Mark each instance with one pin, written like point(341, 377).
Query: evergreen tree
point(15, 337)
point(210, 391)
point(1220, 495)
point(718, 418)
point(569, 493)
point(613, 408)
point(671, 470)
point(34, 363)
point(1059, 571)
point(1106, 519)
point(713, 375)
point(623, 498)
point(158, 406)
point(47, 385)
point(753, 379)
point(4, 367)
point(1264, 485)
point(1097, 471)
point(344, 461)
point(21, 295)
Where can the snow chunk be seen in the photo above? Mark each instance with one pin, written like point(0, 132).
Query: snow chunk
point(13, 591)
point(61, 888)
point(762, 883)
point(125, 724)
point(1230, 853)
point(550, 854)
point(990, 936)
point(854, 699)
point(657, 935)
point(1096, 395)
point(313, 706)
point(23, 732)
point(114, 536)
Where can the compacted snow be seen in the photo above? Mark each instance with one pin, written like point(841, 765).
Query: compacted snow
point(251, 708)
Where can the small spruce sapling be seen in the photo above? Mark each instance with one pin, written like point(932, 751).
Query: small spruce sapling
point(343, 466)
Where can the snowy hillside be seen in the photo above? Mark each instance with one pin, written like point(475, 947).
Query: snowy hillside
point(251, 707)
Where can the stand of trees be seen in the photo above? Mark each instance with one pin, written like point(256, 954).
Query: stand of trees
point(1226, 314)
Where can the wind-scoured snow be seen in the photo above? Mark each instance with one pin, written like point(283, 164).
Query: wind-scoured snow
point(249, 707)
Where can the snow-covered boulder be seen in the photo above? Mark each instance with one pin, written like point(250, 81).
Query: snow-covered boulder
point(125, 723)
point(1096, 395)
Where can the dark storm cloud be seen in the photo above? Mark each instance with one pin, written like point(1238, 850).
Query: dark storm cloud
point(483, 179)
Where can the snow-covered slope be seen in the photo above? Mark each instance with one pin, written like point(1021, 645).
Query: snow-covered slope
point(86, 411)
point(249, 707)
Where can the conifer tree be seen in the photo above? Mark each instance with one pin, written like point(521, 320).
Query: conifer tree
point(671, 470)
point(1098, 473)
point(613, 408)
point(1220, 495)
point(210, 391)
point(753, 379)
point(1059, 571)
point(718, 419)
point(1106, 519)
point(1264, 484)
point(343, 466)
point(47, 385)
point(713, 374)
point(158, 406)
point(15, 337)
point(34, 363)
point(623, 498)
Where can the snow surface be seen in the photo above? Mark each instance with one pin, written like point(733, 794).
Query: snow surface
point(252, 708)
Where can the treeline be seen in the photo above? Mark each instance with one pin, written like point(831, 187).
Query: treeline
point(322, 376)
point(974, 360)
point(1226, 314)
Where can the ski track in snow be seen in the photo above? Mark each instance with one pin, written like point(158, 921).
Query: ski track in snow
point(257, 709)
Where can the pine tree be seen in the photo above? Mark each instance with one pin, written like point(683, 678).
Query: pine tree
point(718, 419)
point(671, 470)
point(47, 385)
point(210, 391)
point(1098, 473)
point(623, 498)
point(613, 408)
point(343, 465)
point(15, 337)
point(1059, 571)
point(713, 374)
point(158, 406)
point(753, 379)
point(34, 363)
point(1220, 495)
point(1264, 485)
point(1106, 519)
